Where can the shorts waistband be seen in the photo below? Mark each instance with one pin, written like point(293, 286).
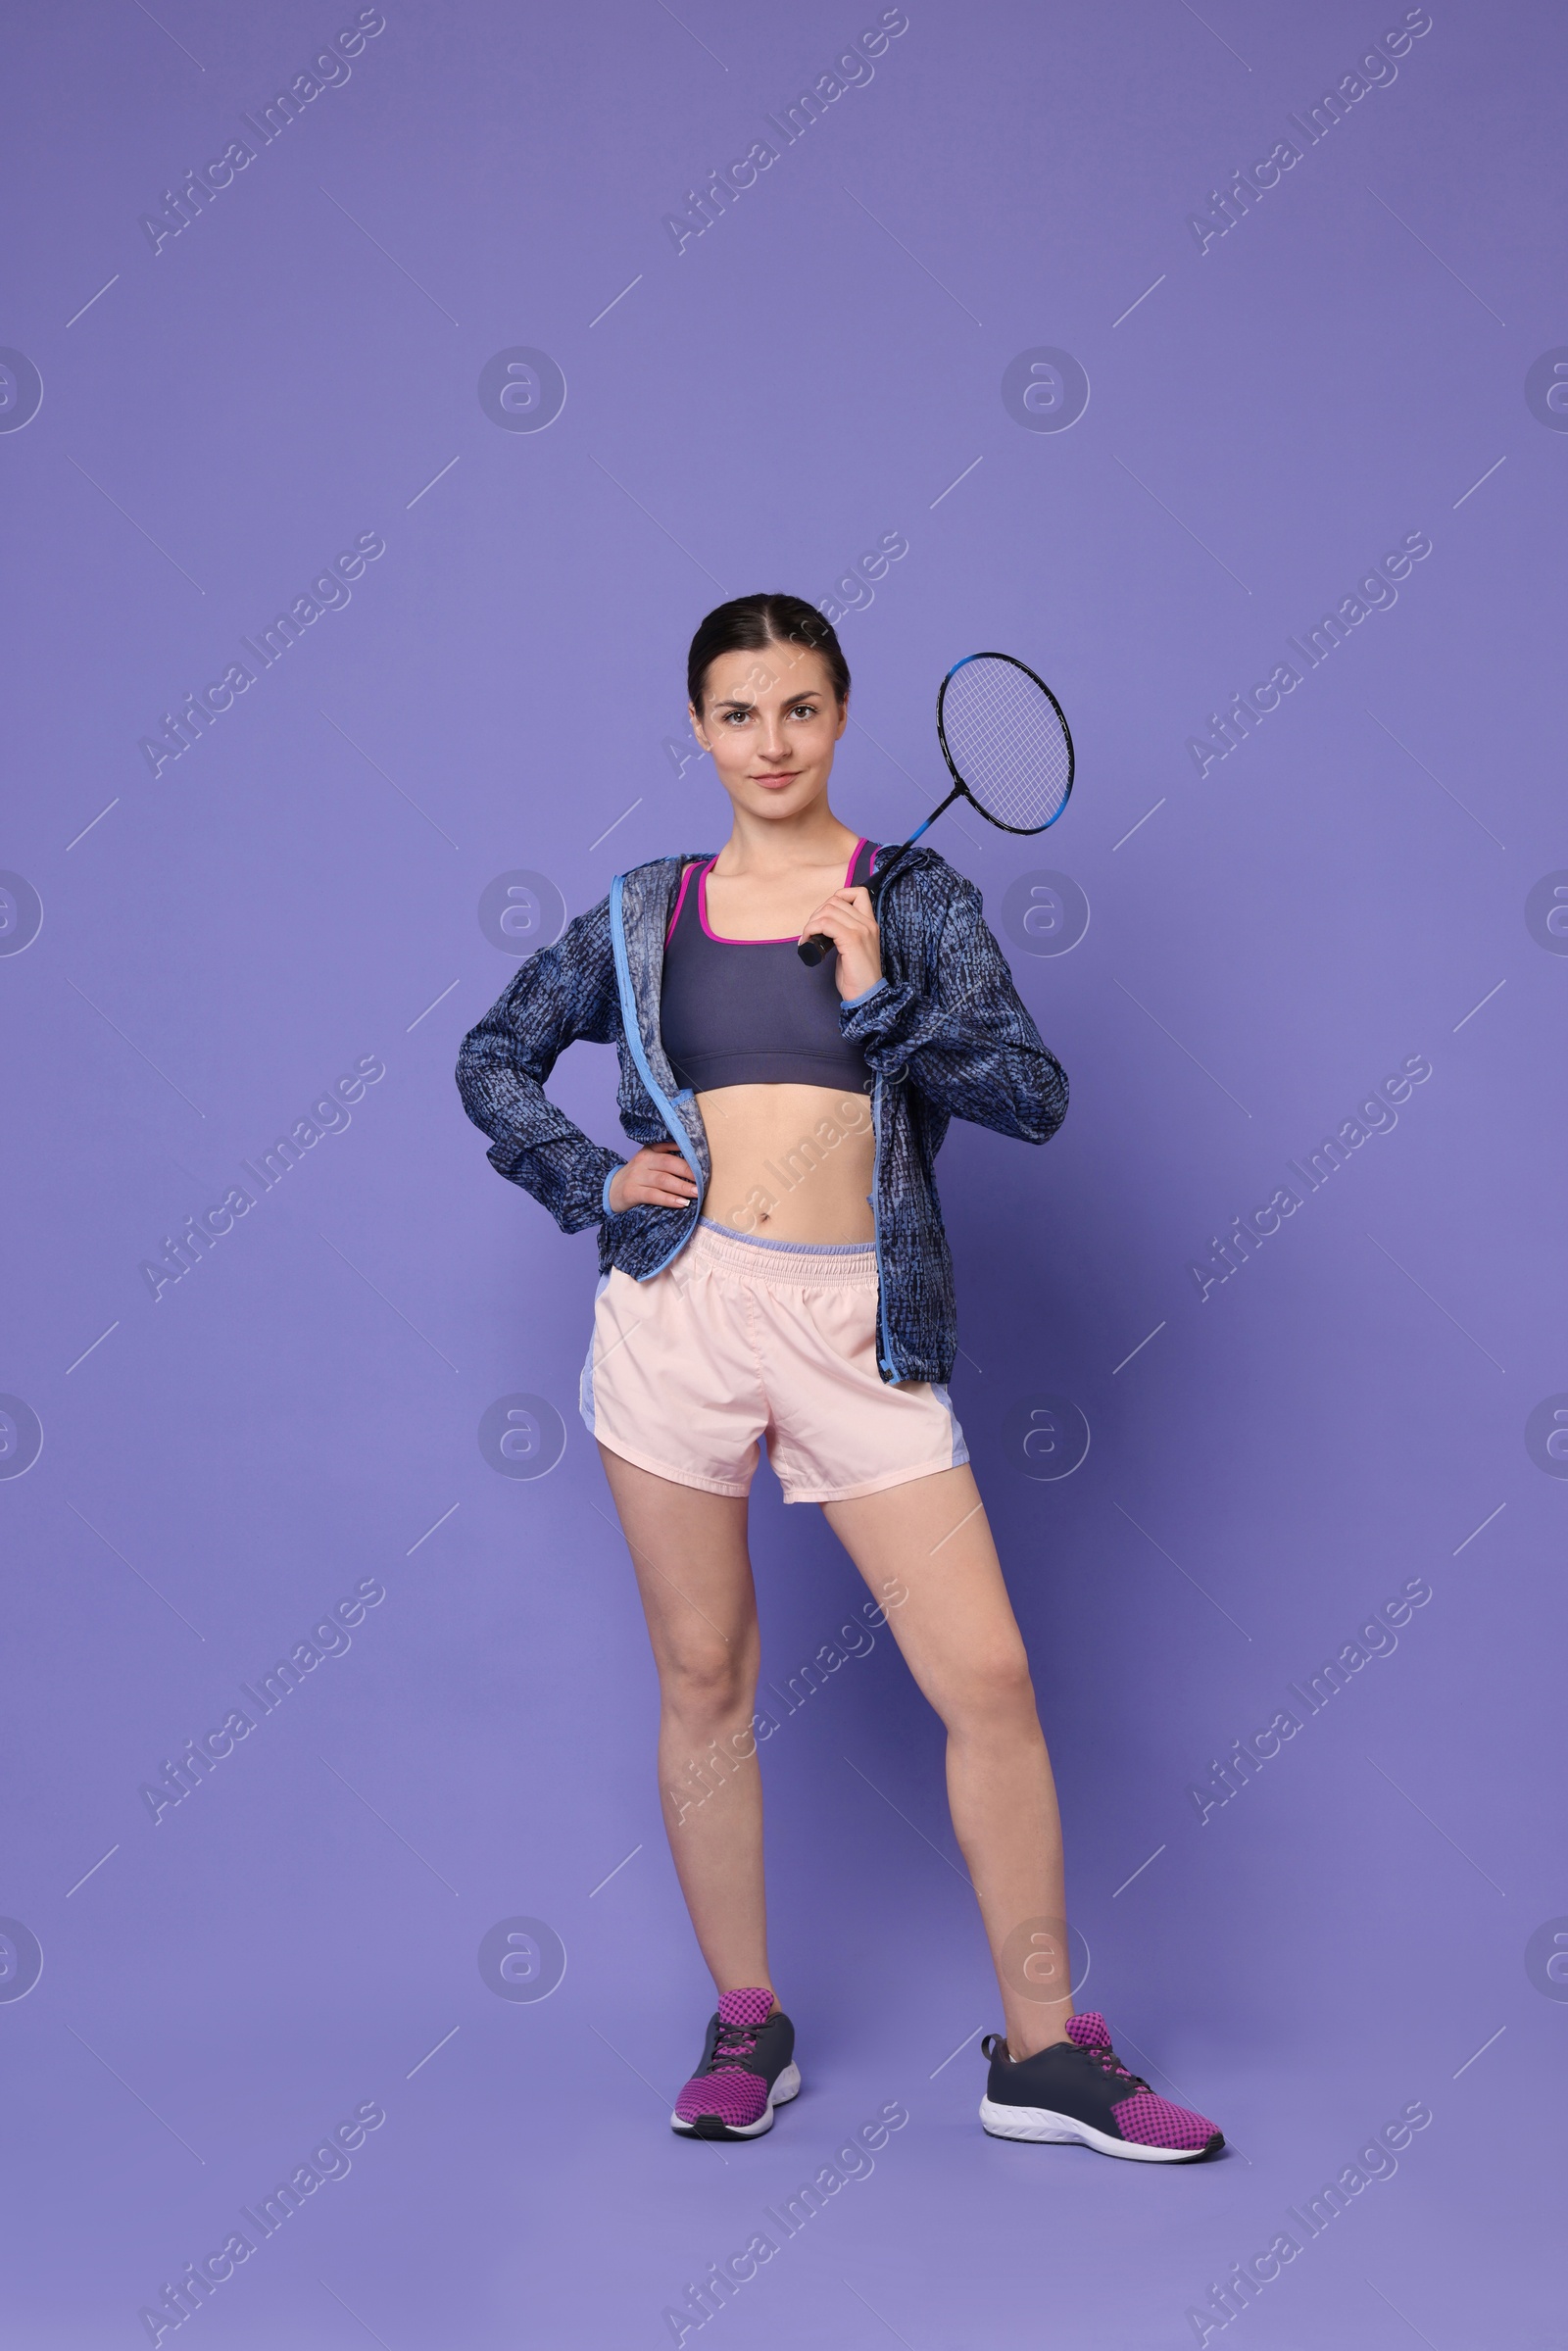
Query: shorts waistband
point(852, 1263)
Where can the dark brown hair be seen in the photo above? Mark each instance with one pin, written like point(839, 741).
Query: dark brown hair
point(749, 622)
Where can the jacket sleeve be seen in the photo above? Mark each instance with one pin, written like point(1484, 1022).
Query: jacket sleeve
point(963, 1036)
point(560, 993)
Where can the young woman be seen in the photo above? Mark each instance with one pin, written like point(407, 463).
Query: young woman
point(774, 1271)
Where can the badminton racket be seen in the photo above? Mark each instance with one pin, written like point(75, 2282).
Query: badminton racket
point(1009, 750)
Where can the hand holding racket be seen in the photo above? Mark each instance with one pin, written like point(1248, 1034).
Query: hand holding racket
point(1008, 749)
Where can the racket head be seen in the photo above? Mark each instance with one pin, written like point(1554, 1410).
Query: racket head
point(1006, 742)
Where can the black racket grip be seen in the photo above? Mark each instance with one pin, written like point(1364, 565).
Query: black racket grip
point(813, 949)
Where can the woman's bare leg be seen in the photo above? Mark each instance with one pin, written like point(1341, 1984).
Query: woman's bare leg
point(689, 1552)
point(961, 1642)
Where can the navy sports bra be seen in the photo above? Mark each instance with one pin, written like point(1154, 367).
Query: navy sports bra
point(747, 1011)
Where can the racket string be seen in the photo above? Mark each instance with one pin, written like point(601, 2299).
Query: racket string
point(1007, 741)
point(1017, 766)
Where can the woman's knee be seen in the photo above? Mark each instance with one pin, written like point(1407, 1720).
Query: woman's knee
point(989, 1691)
point(708, 1680)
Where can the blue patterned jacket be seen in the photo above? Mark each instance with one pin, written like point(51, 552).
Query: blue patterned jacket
point(944, 1033)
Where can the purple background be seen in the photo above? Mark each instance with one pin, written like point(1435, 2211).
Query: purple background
point(300, 889)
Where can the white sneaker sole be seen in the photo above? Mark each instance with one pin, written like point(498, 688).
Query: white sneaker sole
point(1039, 2123)
point(786, 2087)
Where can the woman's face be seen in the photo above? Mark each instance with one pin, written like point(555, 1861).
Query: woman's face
point(770, 720)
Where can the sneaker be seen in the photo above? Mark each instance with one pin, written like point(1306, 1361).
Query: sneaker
point(747, 2070)
point(1079, 2090)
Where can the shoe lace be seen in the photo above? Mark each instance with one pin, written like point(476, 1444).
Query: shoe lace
point(734, 2040)
point(1109, 2063)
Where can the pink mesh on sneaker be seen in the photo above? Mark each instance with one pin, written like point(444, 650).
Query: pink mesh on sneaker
point(1144, 2117)
point(736, 2096)
point(1150, 2121)
point(749, 2007)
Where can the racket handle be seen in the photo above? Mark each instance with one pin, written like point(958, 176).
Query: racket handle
point(813, 949)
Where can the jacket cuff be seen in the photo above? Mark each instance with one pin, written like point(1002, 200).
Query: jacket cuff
point(883, 1012)
point(611, 1174)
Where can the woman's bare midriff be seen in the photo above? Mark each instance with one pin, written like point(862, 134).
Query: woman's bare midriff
point(790, 1162)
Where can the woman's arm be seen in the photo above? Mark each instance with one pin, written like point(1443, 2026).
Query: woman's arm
point(965, 1038)
point(560, 993)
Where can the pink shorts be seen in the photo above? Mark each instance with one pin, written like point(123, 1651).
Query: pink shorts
point(740, 1341)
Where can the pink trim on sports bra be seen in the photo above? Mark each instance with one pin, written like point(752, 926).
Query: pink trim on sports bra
point(680, 900)
point(701, 902)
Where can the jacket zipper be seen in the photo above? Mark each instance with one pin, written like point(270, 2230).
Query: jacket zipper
point(884, 1335)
